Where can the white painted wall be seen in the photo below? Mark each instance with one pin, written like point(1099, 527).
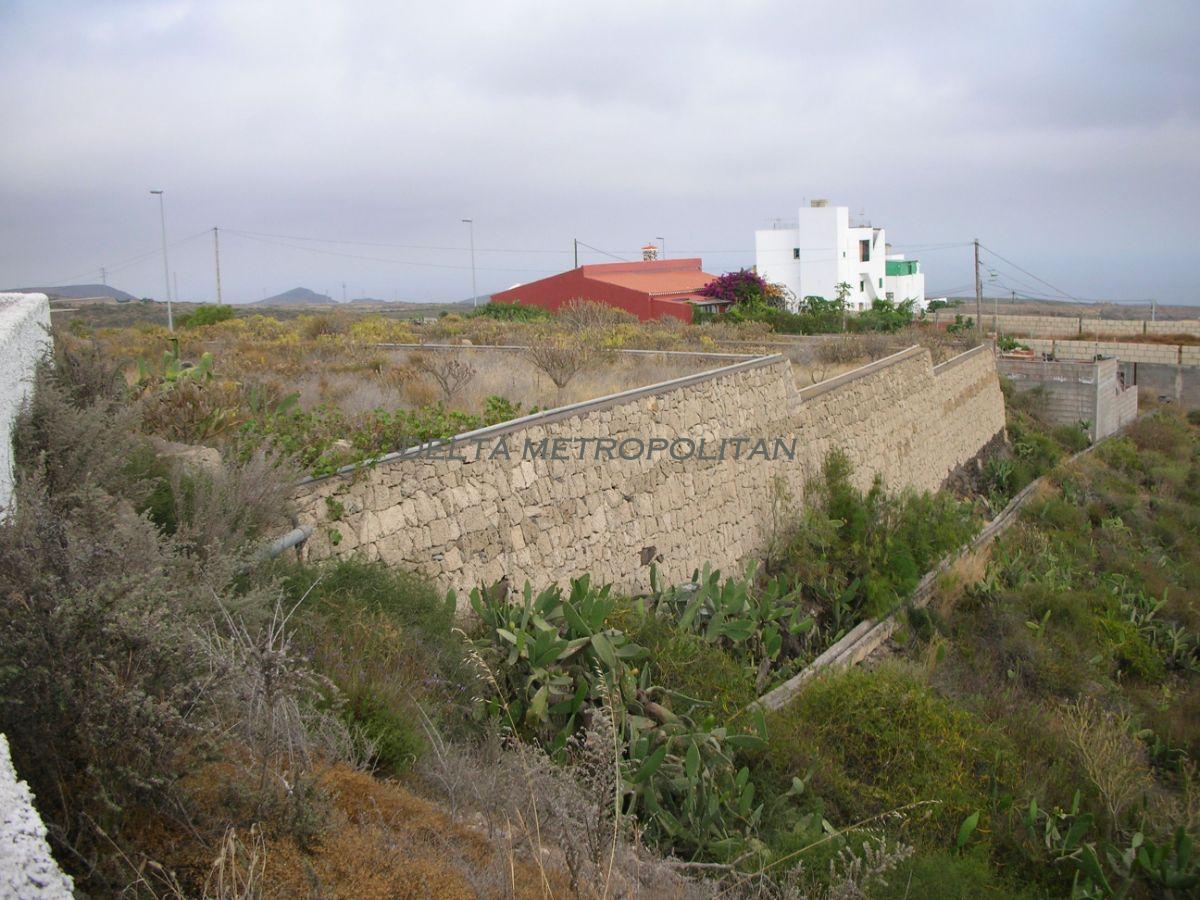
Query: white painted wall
point(24, 339)
point(906, 287)
point(27, 870)
point(823, 251)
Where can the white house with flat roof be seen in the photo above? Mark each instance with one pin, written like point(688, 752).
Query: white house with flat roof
point(825, 250)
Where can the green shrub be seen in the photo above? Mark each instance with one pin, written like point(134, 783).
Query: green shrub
point(309, 436)
point(858, 554)
point(1072, 438)
point(1130, 649)
point(1161, 432)
point(206, 314)
point(383, 638)
point(878, 740)
point(689, 666)
point(1055, 512)
point(339, 588)
point(947, 876)
point(510, 312)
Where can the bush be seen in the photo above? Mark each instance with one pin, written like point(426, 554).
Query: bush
point(859, 554)
point(381, 330)
point(884, 315)
point(743, 288)
point(510, 312)
point(688, 665)
point(128, 661)
point(947, 875)
point(206, 314)
point(383, 638)
point(1162, 433)
point(104, 679)
point(879, 740)
point(581, 314)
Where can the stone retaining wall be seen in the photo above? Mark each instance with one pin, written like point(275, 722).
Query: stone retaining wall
point(476, 520)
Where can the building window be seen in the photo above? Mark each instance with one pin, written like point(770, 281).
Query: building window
point(891, 296)
point(862, 285)
point(864, 251)
point(881, 282)
point(795, 253)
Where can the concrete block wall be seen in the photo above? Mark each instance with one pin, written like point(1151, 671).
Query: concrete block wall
point(1071, 326)
point(1076, 391)
point(1126, 351)
point(472, 521)
point(24, 339)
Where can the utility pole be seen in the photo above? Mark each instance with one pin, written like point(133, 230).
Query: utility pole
point(104, 276)
point(217, 260)
point(576, 252)
point(474, 292)
point(343, 292)
point(978, 293)
point(1153, 309)
point(664, 245)
point(162, 215)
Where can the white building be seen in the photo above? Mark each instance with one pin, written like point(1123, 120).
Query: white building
point(824, 251)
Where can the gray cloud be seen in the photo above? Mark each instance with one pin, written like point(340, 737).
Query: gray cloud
point(1065, 136)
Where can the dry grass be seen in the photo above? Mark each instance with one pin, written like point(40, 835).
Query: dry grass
point(389, 843)
point(336, 359)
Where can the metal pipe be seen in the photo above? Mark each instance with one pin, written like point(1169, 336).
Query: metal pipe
point(286, 542)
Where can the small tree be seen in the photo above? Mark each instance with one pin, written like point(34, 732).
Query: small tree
point(581, 314)
point(560, 356)
point(449, 372)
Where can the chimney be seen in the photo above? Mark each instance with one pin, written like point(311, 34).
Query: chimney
point(818, 204)
point(649, 252)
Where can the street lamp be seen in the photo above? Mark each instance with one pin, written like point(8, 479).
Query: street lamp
point(470, 223)
point(162, 216)
point(664, 245)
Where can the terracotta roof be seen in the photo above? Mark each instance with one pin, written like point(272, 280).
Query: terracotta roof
point(656, 283)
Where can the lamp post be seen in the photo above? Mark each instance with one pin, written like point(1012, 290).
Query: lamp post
point(663, 240)
point(470, 223)
point(162, 216)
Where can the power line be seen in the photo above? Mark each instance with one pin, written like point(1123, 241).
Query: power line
point(390, 246)
point(127, 262)
point(1032, 275)
point(605, 252)
point(931, 247)
point(359, 256)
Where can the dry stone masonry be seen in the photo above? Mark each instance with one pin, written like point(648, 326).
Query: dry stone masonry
point(473, 521)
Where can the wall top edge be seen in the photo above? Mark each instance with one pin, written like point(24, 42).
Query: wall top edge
point(564, 412)
point(824, 387)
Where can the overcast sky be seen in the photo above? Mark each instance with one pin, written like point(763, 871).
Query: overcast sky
point(1066, 136)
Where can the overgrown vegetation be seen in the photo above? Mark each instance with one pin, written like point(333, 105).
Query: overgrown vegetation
point(857, 553)
point(1036, 447)
point(751, 298)
point(190, 717)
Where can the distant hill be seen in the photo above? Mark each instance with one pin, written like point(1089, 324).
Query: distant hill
point(296, 297)
point(78, 291)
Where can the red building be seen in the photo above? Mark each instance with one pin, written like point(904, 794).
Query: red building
point(650, 289)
